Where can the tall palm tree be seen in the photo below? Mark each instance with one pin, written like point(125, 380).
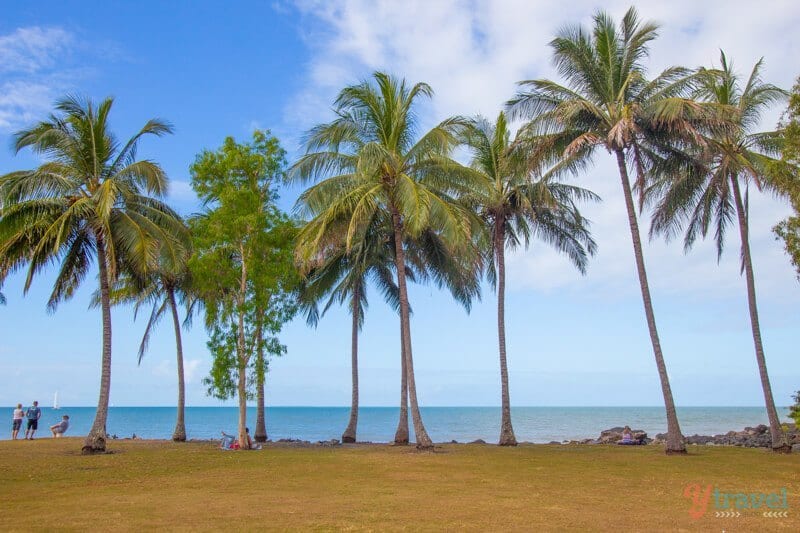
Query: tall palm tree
point(342, 277)
point(370, 160)
point(91, 201)
point(516, 206)
point(709, 191)
point(163, 288)
point(608, 103)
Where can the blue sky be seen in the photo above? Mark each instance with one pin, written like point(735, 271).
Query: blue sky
point(215, 70)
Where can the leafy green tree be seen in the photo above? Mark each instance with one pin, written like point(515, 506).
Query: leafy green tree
point(710, 193)
point(369, 163)
point(609, 103)
point(515, 206)
point(786, 177)
point(794, 411)
point(90, 201)
point(242, 266)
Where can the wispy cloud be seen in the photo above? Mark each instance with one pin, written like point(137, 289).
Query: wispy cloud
point(32, 63)
point(33, 49)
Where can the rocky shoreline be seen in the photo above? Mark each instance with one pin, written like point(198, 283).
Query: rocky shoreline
point(750, 437)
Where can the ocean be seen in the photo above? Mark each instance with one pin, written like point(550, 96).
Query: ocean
point(378, 424)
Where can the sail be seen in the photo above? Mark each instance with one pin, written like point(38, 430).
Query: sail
point(55, 400)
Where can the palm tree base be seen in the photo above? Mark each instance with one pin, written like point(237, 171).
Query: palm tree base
point(400, 442)
point(94, 444)
point(179, 435)
point(783, 448)
point(401, 436)
point(260, 438)
point(678, 451)
point(425, 447)
point(348, 439)
point(507, 442)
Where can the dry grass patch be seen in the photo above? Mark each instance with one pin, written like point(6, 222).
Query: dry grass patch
point(150, 484)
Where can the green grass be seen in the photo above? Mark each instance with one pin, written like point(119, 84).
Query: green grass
point(47, 484)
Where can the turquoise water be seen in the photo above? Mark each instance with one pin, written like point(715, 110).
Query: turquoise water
point(377, 424)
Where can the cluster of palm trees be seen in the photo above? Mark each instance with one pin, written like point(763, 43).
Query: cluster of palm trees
point(388, 204)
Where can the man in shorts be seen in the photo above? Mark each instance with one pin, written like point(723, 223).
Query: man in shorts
point(33, 414)
point(59, 429)
point(19, 414)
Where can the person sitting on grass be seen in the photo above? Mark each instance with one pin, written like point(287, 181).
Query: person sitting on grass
point(59, 429)
point(228, 443)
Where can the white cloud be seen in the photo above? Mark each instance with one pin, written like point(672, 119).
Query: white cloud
point(32, 61)
point(194, 370)
point(473, 52)
point(30, 50)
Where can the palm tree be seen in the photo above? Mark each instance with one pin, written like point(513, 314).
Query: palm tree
point(370, 161)
point(710, 192)
point(514, 208)
point(343, 277)
point(92, 200)
point(164, 289)
point(607, 102)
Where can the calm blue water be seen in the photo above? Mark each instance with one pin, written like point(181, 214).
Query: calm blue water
point(377, 424)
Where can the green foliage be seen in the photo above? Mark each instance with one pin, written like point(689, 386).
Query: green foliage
point(794, 411)
point(90, 193)
point(242, 267)
point(518, 197)
point(369, 166)
point(702, 195)
point(786, 176)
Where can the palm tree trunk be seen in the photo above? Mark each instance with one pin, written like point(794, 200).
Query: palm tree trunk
point(423, 440)
point(260, 434)
point(506, 430)
point(779, 442)
point(675, 442)
point(179, 435)
point(401, 434)
point(349, 434)
point(241, 357)
point(96, 439)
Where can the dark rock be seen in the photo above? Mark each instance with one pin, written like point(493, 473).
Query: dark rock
point(614, 435)
point(478, 441)
point(554, 442)
point(453, 441)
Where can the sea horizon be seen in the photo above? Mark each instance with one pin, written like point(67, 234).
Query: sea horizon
point(537, 424)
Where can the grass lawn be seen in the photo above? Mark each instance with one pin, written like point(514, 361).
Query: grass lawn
point(47, 484)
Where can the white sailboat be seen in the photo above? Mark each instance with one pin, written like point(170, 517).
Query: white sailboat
point(55, 400)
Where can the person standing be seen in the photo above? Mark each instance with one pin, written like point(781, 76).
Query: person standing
point(19, 414)
point(33, 414)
